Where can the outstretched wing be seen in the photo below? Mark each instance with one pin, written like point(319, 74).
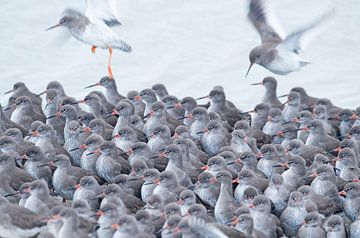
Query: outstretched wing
point(102, 10)
point(258, 18)
point(298, 40)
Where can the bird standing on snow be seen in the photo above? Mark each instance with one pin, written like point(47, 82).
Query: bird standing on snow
point(95, 27)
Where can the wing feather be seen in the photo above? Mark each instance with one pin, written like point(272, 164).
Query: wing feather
point(102, 10)
point(258, 18)
point(298, 40)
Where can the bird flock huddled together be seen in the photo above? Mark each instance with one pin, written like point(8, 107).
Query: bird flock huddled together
point(152, 165)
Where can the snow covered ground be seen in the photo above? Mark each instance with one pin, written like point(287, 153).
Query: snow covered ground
point(189, 45)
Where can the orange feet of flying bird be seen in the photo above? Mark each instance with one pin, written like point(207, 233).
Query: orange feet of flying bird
point(110, 72)
point(109, 63)
point(93, 48)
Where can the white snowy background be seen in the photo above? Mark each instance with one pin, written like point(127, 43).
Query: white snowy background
point(189, 45)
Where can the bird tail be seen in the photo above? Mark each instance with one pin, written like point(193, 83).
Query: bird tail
point(122, 45)
point(304, 63)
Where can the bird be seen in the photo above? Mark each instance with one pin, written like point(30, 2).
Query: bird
point(312, 226)
point(294, 214)
point(19, 221)
point(40, 200)
point(95, 27)
point(112, 95)
point(88, 190)
point(278, 193)
point(108, 215)
point(24, 112)
point(168, 187)
point(277, 54)
point(17, 175)
point(160, 90)
point(270, 96)
point(225, 204)
point(334, 226)
point(260, 209)
point(351, 203)
point(207, 188)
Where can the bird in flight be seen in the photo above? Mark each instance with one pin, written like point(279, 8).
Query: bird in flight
point(279, 55)
point(95, 27)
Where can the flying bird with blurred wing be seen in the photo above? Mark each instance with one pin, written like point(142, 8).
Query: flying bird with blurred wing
point(279, 55)
point(95, 27)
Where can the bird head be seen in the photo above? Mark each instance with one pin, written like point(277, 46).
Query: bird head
point(254, 58)
point(68, 18)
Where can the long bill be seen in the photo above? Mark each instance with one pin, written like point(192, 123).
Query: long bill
point(52, 27)
point(251, 64)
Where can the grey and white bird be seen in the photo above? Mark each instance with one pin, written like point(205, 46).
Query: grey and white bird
point(24, 113)
point(17, 175)
point(294, 214)
point(173, 106)
point(312, 227)
point(18, 221)
point(225, 204)
point(278, 193)
point(270, 96)
point(135, 99)
point(95, 27)
point(207, 188)
point(214, 137)
point(260, 210)
point(274, 122)
point(33, 165)
point(201, 119)
point(352, 200)
point(111, 92)
point(149, 97)
point(160, 90)
point(318, 136)
point(277, 54)
point(88, 190)
point(334, 227)
point(40, 200)
point(168, 187)
point(293, 106)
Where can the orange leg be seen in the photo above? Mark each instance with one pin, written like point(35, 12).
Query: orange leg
point(109, 64)
point(93, 48)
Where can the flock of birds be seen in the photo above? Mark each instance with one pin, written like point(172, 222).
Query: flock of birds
point(151, 165)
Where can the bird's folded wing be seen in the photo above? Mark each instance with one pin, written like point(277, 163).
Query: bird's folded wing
point(102, 10)
point(299, 39)
point(258, 18)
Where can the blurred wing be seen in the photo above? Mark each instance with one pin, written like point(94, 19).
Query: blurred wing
point(59, 38)
point(203, 229)
point(258, 18)
point(299, 39)
point(102, 10)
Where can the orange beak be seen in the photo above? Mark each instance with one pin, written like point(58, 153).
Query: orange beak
point(34, 134)
point(342, 193)
point(205, 168)
point(82, 147)
point(235, 180)
point(99, 213)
